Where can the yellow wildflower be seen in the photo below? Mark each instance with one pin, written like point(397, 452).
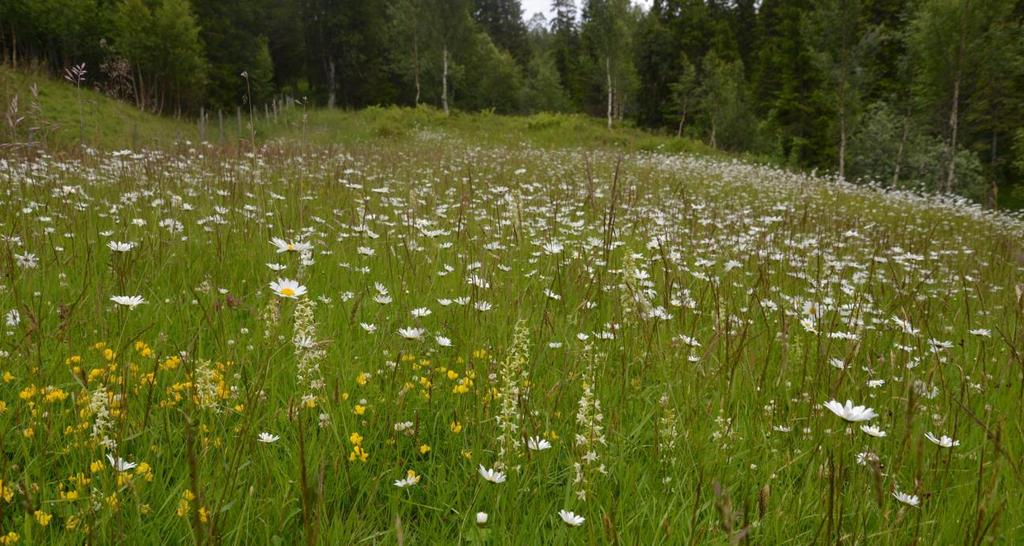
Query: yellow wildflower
point(42, 518)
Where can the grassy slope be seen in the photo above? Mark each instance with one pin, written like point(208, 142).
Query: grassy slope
point(110, 124)
point(105, 123)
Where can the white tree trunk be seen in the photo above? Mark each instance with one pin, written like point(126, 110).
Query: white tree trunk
point(842, 146)
point(444, 82)
point(330, 83)
point(416, 63)
point(608, 73)
point(954, 118)
point(954, 111)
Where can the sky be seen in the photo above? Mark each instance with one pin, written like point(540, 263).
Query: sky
point(544, 6)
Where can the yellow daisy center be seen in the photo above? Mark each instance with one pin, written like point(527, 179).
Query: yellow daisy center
point(287, 291)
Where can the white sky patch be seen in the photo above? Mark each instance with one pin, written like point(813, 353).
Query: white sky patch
point(544, 6)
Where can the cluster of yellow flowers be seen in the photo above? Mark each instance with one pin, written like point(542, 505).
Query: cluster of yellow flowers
point(358, 453)
point(185, 507)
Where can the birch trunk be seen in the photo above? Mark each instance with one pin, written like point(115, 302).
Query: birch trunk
point(608, 73)
point(954, 111)
point(954, 122)
point(330, 83)
point(682, 121)
point(416, 61)
point(444, 81)
point(842, 147)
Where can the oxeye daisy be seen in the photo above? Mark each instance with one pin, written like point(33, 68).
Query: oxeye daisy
point(908, 499)
point(944, 441)
point(290, 246)
point(491, 475)
point(130, 302)
point(535, 443)
point(872, 430)
point(410, 479)
point(288, 288)
point(849, 412)
point(119, 464)
point(571, 518)
point(412, 333)
point(267, 438)
point(118, 246)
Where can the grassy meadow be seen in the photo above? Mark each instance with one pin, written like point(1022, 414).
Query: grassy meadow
point(482, 331)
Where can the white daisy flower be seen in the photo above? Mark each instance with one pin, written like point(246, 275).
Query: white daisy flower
point(288, 288)
point(911, 500)
point(944, 441)
point(535, 443)
point(411, 478)
point(293, 246)
point(849, 412)
point(412, 333)
point(491, 475)
point(872, 430)
point(119, 464)
point(130, 302)
point(118, 246)
point(571, 518)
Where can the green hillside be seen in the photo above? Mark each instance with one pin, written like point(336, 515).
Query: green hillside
point(59, 115)
point(65, 114)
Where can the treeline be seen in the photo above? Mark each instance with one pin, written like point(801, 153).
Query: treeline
point(923, 93)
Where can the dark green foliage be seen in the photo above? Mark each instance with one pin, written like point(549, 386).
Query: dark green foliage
point(657, 65)
point(230, 31)
point(503, 22)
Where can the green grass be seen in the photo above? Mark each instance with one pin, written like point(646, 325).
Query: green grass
point(743, 255)
point(550, 131)
point(711, 307)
